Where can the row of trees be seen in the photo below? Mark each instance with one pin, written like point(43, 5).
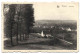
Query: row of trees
point(18, 20)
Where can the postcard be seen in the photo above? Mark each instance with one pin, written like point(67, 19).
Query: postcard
point(40, 27)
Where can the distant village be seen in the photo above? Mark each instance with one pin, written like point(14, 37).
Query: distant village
point(43, 30)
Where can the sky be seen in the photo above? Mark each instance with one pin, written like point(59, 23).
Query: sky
point(56, 11)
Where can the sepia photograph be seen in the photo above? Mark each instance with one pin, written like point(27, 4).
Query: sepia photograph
point(40, 26)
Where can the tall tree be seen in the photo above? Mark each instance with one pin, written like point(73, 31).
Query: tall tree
point(27, 13)
point(11, 14)
point(18, 20)
point(9, 21)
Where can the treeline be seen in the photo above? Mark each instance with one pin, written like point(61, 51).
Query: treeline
point(18, 20)
point(58, 23)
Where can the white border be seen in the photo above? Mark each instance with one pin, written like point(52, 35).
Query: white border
point(39, 1)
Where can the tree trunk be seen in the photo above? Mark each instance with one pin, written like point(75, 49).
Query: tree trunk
point(11, 35)
point(20, 37)
point(20, 32)
point(23, 36)
point(17, 31)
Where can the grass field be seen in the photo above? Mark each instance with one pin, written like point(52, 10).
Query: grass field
point(35, 42)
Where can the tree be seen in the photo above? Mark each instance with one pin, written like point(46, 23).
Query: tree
point(18, 20)
point(27, 15)
point(9, 21)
